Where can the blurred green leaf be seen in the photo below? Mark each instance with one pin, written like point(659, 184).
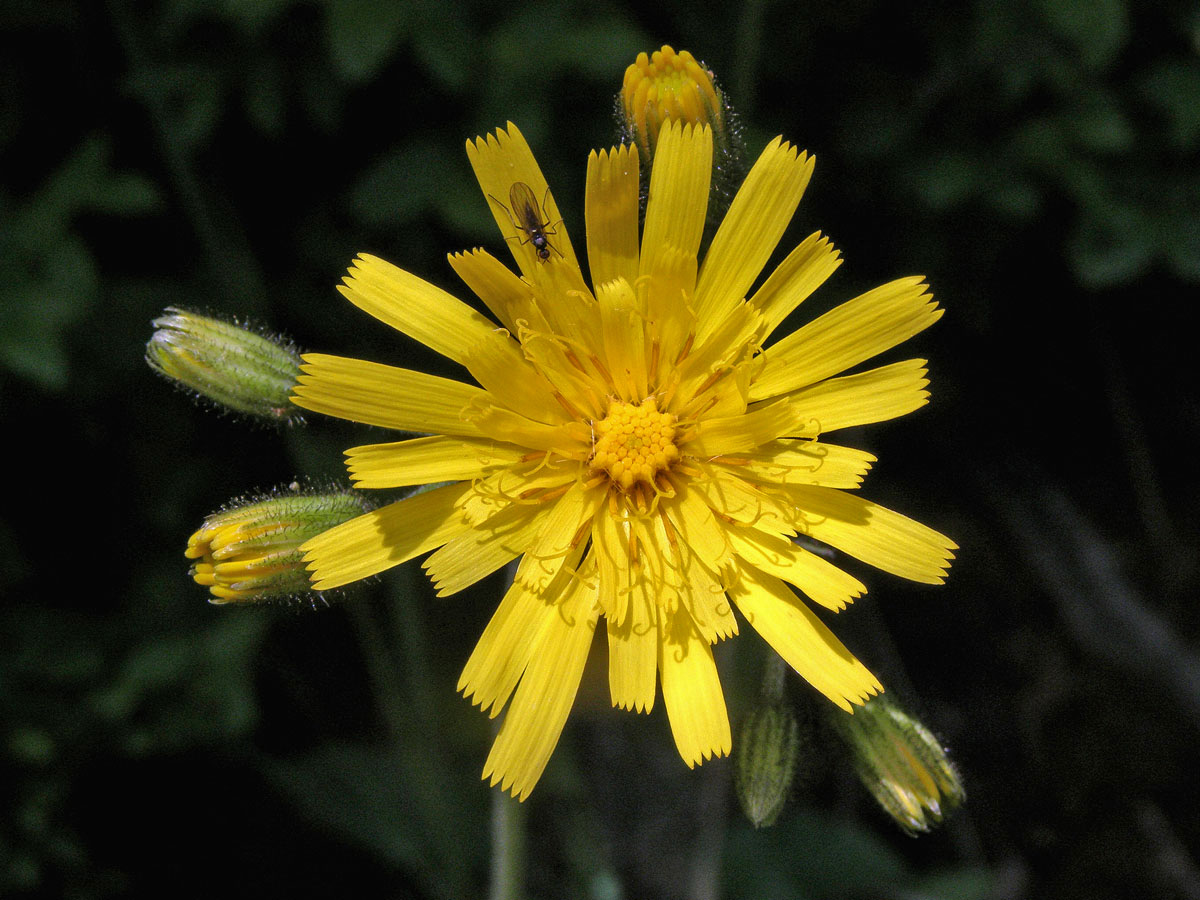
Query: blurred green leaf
point(1181, 233)
point(954, 884)
point(252, 15)
point(1097, 124)
point(265, 98)
point(363, 34)
point(1173, 88)
point(1013, 195)
point(1112, 245)
point(188, 97)
point(1041, 144)
point(539, 42)
point(1097, 29)
point(39, 304)
point(809, 856)
point(384, 801)
point(445, 47)
point(175, 692)
point(397, 187)
point(945, 181)
point(50, 277)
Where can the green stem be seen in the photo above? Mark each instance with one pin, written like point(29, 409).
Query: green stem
point(508, 848)
point(774, 675)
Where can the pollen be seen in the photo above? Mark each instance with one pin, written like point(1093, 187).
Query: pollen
point(634, 443)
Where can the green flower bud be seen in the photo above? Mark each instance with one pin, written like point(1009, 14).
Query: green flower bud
point(765, 761)
point(228, 364)
point(901, 763)
point(250, 552)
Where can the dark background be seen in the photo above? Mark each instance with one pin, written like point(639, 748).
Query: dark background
point(1035, 159)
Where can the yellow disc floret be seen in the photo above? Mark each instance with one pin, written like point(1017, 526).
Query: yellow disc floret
point(633, 444)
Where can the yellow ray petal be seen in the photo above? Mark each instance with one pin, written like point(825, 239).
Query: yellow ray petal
point(409, 304)
point(796, 634)
point(731, 496)
point(518, 484)
point(501, 160)
point(633, 651)
point(561, 536)
point(622, 321)
point(731, 342)
point(705, 599)
point(697, 530)
point(846, 335)
point(375, 394)
point(872, 396)
point(821, 581)
point(427, 460)
point(577, 378)
point(876, 535)
point(750, 230)
point(485, 548)
point(570, 308)
point(504, 648)
point(665, 289)
point(570, 439)
point(692, 692)
point(386, 537)
point(611, 210)
point(610, 554)
point(504, 372)
point(805, 269)
point(805, 462)
point(732, 435)
point(509, 298)
point(678, 200)
point(543, 700)
point(685, 554)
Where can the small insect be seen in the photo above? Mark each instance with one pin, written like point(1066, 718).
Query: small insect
point(526, 216)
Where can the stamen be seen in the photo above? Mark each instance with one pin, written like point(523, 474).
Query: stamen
point(713, 379)
point(582, 531)
point(604, 373)
point(687, 348)
point(730, 460)
point(567, 405)
point(554, 494)
point(574, 360)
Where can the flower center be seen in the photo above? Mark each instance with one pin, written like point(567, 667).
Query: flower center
point(634, 443)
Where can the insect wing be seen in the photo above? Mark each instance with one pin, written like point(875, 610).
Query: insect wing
point(524, 205)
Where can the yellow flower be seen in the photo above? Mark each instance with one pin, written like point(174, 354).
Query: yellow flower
point(631, 442)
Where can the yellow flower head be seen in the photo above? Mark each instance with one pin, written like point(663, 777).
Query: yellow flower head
point(631, 442)
point(667, 86)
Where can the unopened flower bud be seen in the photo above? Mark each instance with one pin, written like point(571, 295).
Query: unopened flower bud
point(250, 552)
point(667, 86)
point(901, 763)
point(765, 761)
point(227, 364)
